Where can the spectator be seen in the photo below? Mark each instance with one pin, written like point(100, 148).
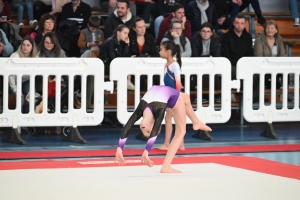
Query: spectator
point(176, 35)
point(6, 49)
point(20, 6)
point(236, 43)
point(164, 8)
point(236, 6)
point(78, 10)
point(57, 8)
point(27, 49)
point(295, 9)
point(120, 16)
point(113, 5)
point(141, 43)
point(40, 8)
point(116, 46)
point(206, 43)
point(199, 12)
point(49, 47)
point(269, 43)
point(47, 24)
point(5, 13)
point(224, 22)
point(177, 11)
point(91, 38)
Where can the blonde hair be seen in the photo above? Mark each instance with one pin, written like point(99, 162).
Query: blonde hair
point(33, 52)
point(269, 23)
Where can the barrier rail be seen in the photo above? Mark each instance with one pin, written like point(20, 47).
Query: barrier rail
point(289, 111)
point(120, 68)
point(58, 67)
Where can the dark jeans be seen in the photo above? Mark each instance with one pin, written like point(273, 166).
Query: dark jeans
point(40, 8)
point(235, 9)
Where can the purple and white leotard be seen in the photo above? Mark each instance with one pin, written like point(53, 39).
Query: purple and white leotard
point(157, 99)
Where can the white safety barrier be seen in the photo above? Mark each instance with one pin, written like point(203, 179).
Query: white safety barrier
point(58, 67)
point(120, 68)
point(247, 67)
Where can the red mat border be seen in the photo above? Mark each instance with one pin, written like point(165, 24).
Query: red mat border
point(137, 152)
point(243, 162)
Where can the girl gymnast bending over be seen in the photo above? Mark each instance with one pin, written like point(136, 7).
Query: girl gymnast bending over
point(152, 108)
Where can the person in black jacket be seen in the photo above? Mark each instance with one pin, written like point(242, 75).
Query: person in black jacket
point(116, 46)
point(121, 15)
point(199, 12)
point(206, 43)
point(224, 21)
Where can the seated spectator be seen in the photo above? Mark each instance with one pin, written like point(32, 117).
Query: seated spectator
point(294, 6)
point(176, 35)
point(206, 43)
point(79, 10)
point(92, 37)
point(41, 7)
point(224, 21)
point(141, 43)
point(47, 24)
point(164, 8)
point(6, 49)
point(199, 12)
point(5, 13)
point(236, 6)
point(50, 48)
point(20, 6)
point(177, 12)
point(269, 43)
point(120, 16)
point(113, 5)
point(27, 49)
point(116, 46)
point(57, 8)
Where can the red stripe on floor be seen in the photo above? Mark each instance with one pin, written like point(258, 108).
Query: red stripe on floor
point(134, 152)
point(244, 162)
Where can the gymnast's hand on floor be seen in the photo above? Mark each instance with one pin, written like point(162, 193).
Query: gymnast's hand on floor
point(119, 157)
point(146, 159)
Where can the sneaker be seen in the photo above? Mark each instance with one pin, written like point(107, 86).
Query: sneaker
point(130, 86)
point(21, 24)
point(33, 23)
point(296, 24)
point(261, 21)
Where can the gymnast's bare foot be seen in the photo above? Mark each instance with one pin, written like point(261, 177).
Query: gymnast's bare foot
point(181, 147)
point(162, 147)
point(169, 170)
point(201, 126)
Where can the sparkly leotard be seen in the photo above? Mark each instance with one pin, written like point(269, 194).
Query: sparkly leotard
point(157, 98)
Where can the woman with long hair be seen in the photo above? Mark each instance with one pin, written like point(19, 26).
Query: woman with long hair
point(49, 47)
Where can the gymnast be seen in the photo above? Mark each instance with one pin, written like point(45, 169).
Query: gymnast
point(152, 108)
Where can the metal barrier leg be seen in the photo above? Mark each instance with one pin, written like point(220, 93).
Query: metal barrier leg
point(269, 132)
point(14, 137)
point(73, 135)
point(203, 135)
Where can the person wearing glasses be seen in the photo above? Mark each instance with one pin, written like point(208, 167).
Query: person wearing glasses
point(47, 24)
point(49, 47)
point(176, 35)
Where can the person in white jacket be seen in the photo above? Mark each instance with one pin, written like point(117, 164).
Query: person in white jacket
point(27, 49)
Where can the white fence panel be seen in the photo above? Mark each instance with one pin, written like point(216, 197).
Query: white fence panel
point(59, 67)
point(120, 68)
point(247, 67)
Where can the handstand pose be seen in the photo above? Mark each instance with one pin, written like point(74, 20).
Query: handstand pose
point(152, 108)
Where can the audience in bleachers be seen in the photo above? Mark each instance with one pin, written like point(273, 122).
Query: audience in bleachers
point(142, 44)
point(199, 12)
point(5, 16)
point(176, 35)
point(294, 6)
point(47, 24)
point(92, 37)
point(41, 7)
point(121, 15)
point(20, 6)
point(177, 12)
point(27, 49)
point(116, 46)
point(236, 6)
point(206, 43)
point(6, 49)
point(49, 47)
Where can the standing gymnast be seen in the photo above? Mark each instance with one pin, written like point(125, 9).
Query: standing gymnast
point(168, 49)
point(152, 108)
